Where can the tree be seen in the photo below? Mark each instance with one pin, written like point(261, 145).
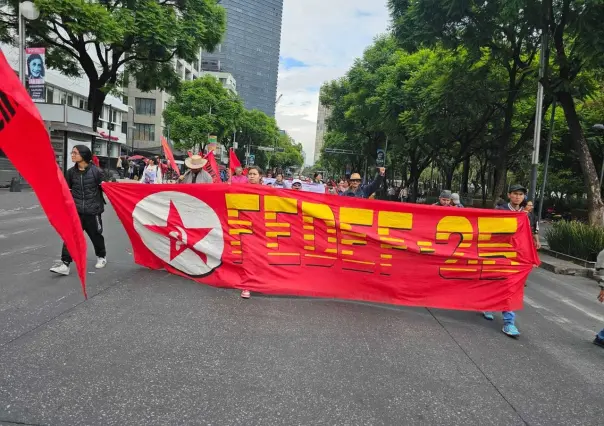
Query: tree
point(200, 108)
point(291, 157)
point(102, 39)
point(258, 129)
point(576, 31)
point(497, 27)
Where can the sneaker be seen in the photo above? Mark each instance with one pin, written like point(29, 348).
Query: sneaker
point(245, 294)
point(599, 342)
point(60, 268)
point(101, 262)
point(511, 330)
point(488, 316)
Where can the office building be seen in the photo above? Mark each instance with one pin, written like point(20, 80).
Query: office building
point(322, 116)
point(250, 51)
point(148, 123)
point(65, 113)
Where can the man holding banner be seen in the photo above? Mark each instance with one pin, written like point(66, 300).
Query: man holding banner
point(196, 173)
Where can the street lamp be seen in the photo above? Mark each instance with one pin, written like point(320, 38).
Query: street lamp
point(27, 10)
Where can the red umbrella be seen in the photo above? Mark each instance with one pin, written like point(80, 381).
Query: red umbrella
point(137, 157)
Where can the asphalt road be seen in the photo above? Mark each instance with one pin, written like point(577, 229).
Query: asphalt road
point(149, 348)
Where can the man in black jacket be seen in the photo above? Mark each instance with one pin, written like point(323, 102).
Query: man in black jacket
point(84, 180)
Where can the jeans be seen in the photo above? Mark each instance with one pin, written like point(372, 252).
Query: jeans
point(508, 317)
point(601, 334)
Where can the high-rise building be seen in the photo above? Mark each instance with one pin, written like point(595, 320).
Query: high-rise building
point(322, 117)
point(250, 50)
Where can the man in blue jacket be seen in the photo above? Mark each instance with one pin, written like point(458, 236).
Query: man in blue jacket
point(356, 190)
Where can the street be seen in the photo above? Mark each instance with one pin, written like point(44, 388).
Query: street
point(150, 348)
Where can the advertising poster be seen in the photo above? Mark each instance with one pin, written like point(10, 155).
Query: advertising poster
point(35, 67)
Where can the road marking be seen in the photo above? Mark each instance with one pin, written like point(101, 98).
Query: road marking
point(21, 250)
point(22, 231)
point(8, 212)
point(554, 317)
point(572, 304)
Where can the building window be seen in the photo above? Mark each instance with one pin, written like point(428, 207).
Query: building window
point(125, 100)
point(50, 95)
point(114, 116)
point(125, 127)
point(102, 113)
point(70, 100)
point(144, 132)
point(84, 104)
point(144, 106)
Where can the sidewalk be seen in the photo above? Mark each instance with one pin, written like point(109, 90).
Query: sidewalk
point(563, 267)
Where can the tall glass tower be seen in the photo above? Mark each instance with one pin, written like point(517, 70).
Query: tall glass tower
point(250, 50)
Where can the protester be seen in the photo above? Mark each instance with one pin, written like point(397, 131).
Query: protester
point(342, 187)
point(279, 182)
point(529, 210)
point(297, 185)
point(355, 189)
point(516, 196)
point(404, 195)
point(318, 178)
point(196, 173)
point(254, 176)
point(391, 193)
point(455, 201)
point(444, 200)
point(239, 177)
point(152, 173)
point(84, 180)
point(120, 167)
point(131, 169)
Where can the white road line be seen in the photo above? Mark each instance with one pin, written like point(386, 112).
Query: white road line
point(573, 304)
point(22, 231)
point(8, 212)
point(22, 250)
point(554, 317)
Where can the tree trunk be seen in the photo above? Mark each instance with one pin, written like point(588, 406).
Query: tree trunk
point(96, 100)
point(595, 206)
point(448, 178)
point(465, 176)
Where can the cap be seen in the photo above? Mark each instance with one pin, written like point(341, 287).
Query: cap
point(296, 181)
point(455, 197)
point(517, 187)
point(446, 194)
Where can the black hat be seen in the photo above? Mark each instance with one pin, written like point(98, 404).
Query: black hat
point(516, 187)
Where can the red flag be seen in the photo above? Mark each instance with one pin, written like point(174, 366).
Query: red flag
point(212, 167)
point(189, 153)
point(169, 155)
point(95, 161)
point(20, 126)
point(306, 244)
point(233, 160)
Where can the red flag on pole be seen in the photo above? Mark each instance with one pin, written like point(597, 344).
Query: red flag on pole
point(233, 160)
point(169, 155)
point(20, 126)
point(212, 167)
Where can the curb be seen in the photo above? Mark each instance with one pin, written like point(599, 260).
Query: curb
point(577, 272)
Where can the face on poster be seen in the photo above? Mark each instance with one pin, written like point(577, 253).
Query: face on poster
point(36, 72)
point(381, 158)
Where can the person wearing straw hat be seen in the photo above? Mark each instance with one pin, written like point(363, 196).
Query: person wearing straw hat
point(356, 190)
point(196, 173)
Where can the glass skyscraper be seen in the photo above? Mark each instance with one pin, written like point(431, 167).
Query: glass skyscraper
point(250, 50)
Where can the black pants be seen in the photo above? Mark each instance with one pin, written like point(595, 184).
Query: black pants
point(93, 226)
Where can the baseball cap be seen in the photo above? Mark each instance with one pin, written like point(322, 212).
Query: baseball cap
point(517, 187)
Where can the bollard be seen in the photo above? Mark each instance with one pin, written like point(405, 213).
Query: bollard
point(15, 185)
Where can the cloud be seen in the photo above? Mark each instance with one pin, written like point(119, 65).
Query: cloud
point(320, 40)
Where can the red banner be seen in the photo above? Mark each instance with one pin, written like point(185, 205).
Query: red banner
point(169, 155)
point(279, 241)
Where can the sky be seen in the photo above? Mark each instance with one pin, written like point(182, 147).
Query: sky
point(320, 39)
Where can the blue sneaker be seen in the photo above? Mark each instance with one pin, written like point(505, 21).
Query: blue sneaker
point(511, 330)
point(488, 316)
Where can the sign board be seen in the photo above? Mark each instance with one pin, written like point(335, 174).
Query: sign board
point(266, 148)
point(251, 159)
point(35, 58)
point(381, 158)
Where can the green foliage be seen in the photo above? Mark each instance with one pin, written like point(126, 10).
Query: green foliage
point(200, 108)
point(100, 38)
point(576, 239)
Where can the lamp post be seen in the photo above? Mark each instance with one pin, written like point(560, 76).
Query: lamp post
point(27, 10)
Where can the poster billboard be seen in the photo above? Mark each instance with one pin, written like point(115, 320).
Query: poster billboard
point(36, 72)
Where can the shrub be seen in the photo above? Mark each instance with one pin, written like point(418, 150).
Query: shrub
point(576, 239)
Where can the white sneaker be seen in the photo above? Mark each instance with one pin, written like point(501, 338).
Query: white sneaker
point(101, 262)
point(60, 268)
